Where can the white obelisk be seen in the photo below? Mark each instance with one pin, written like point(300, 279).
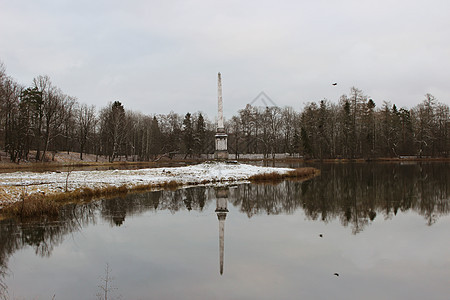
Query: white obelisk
point(220, 126)
point(221, 152)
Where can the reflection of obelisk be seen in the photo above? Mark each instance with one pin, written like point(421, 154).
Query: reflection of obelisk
point(221, 136)
point(221, 210)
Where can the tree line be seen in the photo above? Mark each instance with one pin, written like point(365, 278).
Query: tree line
point(39, 120)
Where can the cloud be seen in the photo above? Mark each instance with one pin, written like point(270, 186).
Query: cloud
point(160, 56)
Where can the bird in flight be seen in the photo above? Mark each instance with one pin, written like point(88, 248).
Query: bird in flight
point(335, 83)
point(336, 274)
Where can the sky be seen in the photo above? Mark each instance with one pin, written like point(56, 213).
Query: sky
point(162, 56)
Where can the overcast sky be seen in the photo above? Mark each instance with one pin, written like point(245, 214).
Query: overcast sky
point(158, 56)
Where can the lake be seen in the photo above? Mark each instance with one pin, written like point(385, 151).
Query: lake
point(357, 231)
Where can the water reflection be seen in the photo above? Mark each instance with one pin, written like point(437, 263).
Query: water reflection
point(221, 210)
point(355, 194)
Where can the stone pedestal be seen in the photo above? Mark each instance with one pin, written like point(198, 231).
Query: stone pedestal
point(221, 152)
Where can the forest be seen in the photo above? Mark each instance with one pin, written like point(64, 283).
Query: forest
point(40, 120)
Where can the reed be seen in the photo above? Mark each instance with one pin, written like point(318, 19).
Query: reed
point(302, 172)
point(36, 205)
point(299, 173)
point(173, 184)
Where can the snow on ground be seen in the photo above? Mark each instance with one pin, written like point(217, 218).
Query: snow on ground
point(13, 184)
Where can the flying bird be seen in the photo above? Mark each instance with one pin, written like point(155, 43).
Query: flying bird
point(336, 274)
point(335, 83)
point(321, 235)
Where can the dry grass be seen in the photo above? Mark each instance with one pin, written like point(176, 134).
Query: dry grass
point(36, 205)
point(32, 206)
point(300, 173)
point(173, 184)
point(303, 172)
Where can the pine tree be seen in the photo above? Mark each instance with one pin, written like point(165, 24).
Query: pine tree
point(188, 134)
point(369, 129)
point(200, 135)
point(307, 151)
point(395, 130)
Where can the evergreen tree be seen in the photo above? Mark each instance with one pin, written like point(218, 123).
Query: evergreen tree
point(369, 130)
point(307, 151)
point(155, 138)
point(395, 130)
point(188, 134)
point(385, 130)
point(296, 141)
point(200, 135)
point(33, 98)
point(113, 129)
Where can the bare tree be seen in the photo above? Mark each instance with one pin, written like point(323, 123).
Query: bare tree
point(236, 132)
point(53, 116)
point(442, 117)
point(288, 118)
point(9, 116)
point(425, 113)
point(275, 123)
point(41, 85)
point(85, 121)
point(69, 124)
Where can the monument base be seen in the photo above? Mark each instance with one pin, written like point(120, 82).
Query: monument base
point(221, 154)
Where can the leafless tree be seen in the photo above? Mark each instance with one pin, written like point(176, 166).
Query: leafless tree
point(85, 121)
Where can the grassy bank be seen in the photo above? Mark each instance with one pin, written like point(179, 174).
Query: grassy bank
point(36, 205)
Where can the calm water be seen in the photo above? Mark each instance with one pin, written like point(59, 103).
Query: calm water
point(385, 230)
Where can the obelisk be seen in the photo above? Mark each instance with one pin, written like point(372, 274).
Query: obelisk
point(221, 152)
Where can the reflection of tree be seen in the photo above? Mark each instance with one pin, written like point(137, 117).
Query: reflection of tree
point(432, 193)
point(3, 286)
point(357, 193)
point(8, 246)
point(43, 235)
point(115, 210)
point(353, 193)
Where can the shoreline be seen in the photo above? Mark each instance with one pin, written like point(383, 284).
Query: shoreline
point(62, 186)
